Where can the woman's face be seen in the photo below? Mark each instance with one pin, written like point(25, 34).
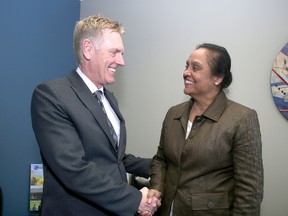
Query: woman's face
point(198, 78)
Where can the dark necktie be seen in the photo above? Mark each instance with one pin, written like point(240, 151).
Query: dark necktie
point(98, 95)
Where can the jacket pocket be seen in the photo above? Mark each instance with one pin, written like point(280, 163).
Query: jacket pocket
point(210, 203)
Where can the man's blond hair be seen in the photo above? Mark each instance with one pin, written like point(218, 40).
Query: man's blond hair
point(92, 28)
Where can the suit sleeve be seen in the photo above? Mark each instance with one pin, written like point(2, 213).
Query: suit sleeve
point(62, 150)
point(137, 166)
point(248, 167)
point(159, 164)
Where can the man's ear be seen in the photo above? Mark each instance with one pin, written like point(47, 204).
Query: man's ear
point(87, 48)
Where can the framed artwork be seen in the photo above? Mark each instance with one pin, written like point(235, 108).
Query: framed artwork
point(279, 81)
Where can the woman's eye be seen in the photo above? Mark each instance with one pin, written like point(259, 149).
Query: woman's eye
point(195, 68)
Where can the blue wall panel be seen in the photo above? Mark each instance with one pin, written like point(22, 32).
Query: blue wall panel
point(36, 44)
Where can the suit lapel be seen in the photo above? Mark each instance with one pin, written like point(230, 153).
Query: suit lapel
point(89, 100)
point(113, 103)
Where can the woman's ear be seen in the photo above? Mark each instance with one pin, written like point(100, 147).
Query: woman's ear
point(218, 80)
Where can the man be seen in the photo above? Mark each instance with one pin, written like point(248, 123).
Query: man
point(84, 161)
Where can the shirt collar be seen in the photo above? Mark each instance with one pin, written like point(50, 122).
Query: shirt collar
point(87, 81)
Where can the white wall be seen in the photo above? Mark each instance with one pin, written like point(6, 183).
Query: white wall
point(161, 34)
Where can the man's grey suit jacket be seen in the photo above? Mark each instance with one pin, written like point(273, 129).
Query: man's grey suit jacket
point(83, 174)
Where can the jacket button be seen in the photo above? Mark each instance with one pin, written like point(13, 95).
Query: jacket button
point(184, 154)
point(211, 205)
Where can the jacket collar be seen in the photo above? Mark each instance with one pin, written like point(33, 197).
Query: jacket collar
point(89, 100)
point(213, 112)
point(217, 107)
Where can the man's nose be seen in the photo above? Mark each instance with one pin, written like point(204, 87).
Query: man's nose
point(120, 60)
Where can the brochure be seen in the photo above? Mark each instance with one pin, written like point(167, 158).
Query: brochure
point(36, 187)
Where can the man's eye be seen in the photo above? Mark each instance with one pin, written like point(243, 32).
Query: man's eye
point(186, 67)
point(113, 52)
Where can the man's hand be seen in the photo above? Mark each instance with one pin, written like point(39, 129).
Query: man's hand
point(153, 193)
point(148, 207)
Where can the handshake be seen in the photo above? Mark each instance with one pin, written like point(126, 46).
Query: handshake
point(151, 201)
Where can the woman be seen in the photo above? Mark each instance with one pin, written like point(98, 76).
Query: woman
point(209, 160)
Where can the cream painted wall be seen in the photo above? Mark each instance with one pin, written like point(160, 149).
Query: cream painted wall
point(160, 35)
